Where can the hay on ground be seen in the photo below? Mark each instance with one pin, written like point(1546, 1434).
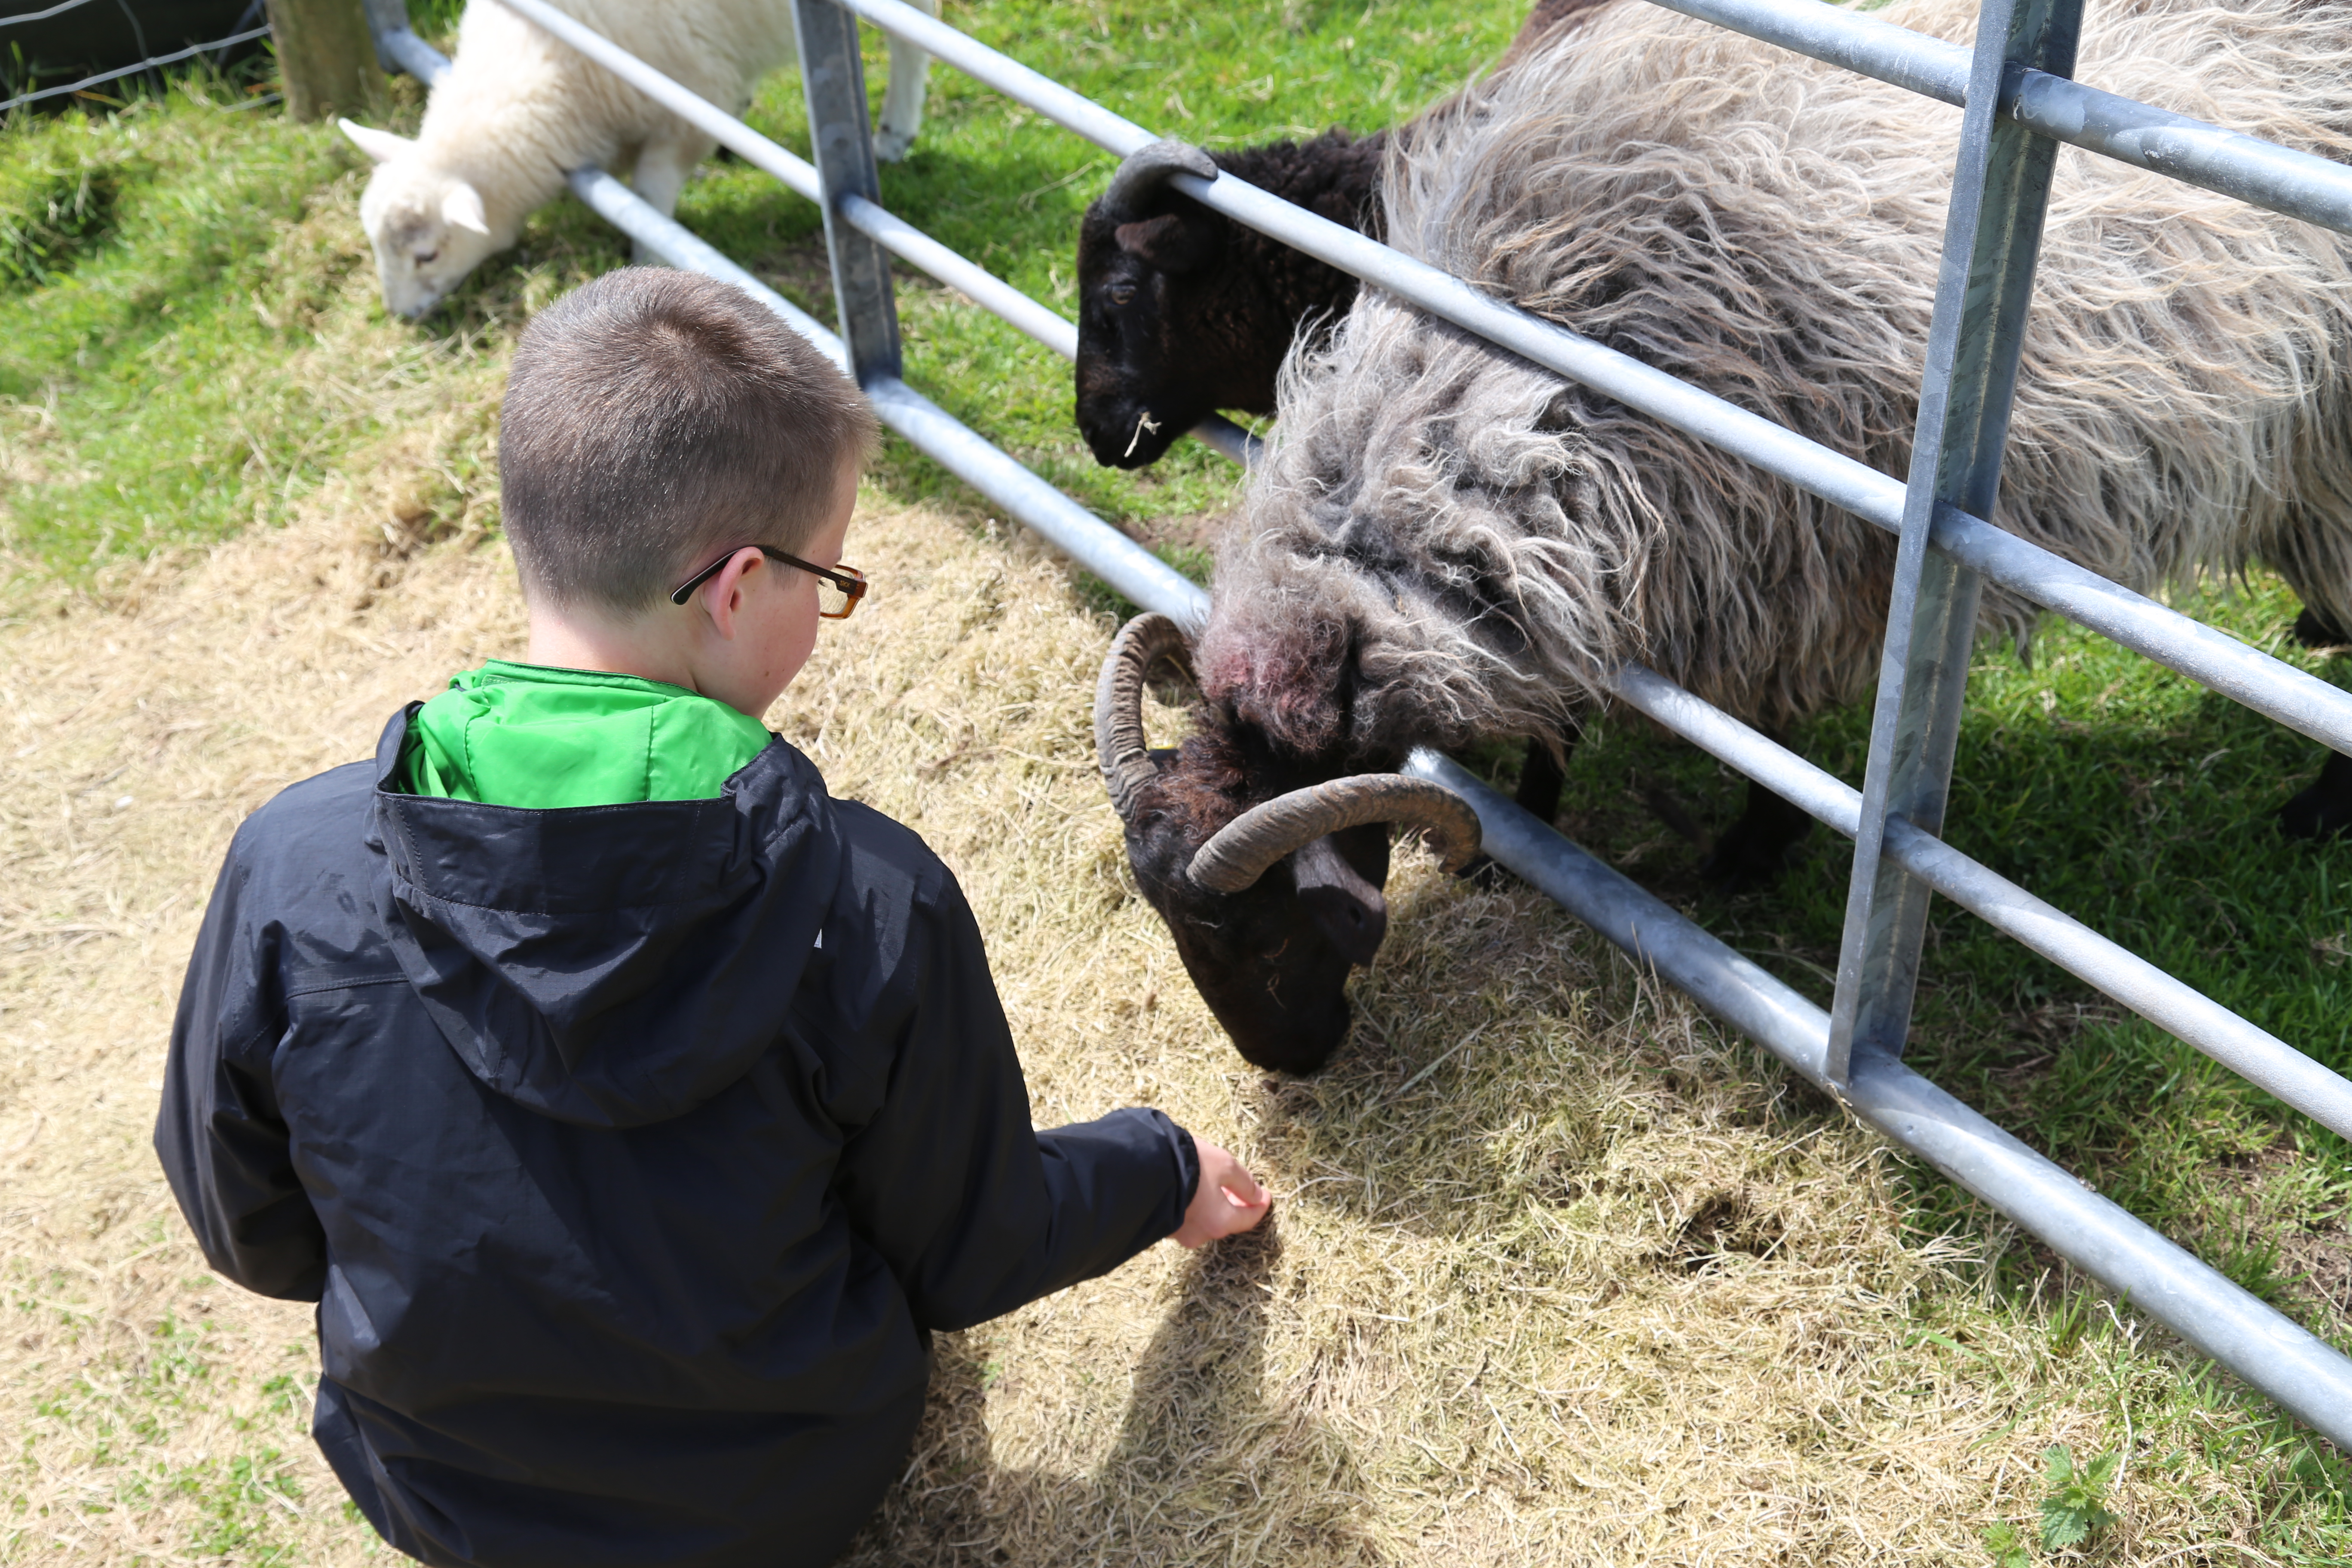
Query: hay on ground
point(1556, 1272)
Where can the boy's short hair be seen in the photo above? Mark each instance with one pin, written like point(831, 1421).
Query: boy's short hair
point(653, 418)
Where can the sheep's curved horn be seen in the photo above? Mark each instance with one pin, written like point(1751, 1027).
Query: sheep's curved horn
point(1146, 169)
point(1119, 748)
point(1241, 850)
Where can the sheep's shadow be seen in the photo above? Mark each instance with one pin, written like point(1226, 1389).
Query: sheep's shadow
point(1201, 1456)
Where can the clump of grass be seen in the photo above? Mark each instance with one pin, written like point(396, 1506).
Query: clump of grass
point(223, 354)
point(53, 212)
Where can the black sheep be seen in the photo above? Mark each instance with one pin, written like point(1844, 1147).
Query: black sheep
point(1182, 312)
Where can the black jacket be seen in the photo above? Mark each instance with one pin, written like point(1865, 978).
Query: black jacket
point(629, 1151)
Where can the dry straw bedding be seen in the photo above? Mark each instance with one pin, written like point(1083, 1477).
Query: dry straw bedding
point(1557, 1273)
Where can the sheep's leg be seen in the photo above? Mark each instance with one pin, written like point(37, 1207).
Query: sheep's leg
point(902, 103)
point(1754, 850)
point(1541, 776)
point(660, 174)
point(2324, 809)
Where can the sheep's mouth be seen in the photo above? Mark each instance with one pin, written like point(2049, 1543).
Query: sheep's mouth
point(1129, 433)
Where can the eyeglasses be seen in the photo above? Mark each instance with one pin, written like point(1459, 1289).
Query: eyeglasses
point(838, 588)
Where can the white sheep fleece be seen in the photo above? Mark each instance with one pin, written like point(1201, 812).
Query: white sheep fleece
point(1445, 542)
point(520, 110)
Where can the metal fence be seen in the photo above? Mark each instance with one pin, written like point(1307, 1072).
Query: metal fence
point(2018, 103)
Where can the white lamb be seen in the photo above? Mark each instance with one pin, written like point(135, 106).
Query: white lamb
point(520, 111)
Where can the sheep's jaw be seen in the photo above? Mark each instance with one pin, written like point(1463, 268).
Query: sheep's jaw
point(1265, 960)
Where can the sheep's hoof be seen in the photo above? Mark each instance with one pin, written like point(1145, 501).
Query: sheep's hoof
point(1758, 846)
point(891, 147)
point(2325, 810)
point(1747, 858)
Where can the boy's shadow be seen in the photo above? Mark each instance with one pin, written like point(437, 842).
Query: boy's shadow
point(1201, 1456)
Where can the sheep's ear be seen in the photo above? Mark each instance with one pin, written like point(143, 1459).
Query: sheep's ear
point(1167, 243)
point(381, 145)
point(462, 208)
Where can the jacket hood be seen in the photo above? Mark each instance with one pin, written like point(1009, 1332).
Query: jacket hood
point(609, 965)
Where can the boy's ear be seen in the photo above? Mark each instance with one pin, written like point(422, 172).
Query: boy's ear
point(719, 597)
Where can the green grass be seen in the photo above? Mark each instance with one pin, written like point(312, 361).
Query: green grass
point(2141, 803)
point(167, 1430)
point(163, 385)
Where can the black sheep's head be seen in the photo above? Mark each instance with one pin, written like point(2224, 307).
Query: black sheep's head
point(1269, 878)
point(1156, 316)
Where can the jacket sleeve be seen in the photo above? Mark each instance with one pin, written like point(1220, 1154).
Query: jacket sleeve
point(976, 1212)
point(219, 1134)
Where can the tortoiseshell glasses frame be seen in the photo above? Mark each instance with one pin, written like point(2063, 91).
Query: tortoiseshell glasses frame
point(846, 580)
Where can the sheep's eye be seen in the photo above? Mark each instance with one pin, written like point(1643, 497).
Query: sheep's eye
point(426, 258)
point(1121, 293)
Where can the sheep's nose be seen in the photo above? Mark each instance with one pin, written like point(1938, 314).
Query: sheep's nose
point(1357, 928)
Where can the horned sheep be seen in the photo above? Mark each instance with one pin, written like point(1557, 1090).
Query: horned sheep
point(520, 111)
point(1447, 543)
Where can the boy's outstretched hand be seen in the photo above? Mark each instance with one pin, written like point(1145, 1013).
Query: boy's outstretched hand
point(1227, 1201)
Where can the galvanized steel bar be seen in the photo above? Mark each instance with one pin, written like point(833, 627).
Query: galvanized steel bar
point(1992, 238)
point(398, 48)
point(2269, 687)
point(893, 232)
point(1094, 544)
point(2289, 1363)
point(1855, 41)
point(1005, 74)
point(2263, 174)
point(833, 79)
point(2305, 1375)
point(2213, 659)
point(2171, 1005)
point(682, 248)
point(1731, 986)
point(903, 239)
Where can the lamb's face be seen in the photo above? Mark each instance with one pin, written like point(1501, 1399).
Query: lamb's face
point(428, 229)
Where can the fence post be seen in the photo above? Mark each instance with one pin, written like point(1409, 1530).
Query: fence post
point(2000, 190)
point(842, 137)
point(326, 59)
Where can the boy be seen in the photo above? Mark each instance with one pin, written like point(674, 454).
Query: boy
point(633, 1109)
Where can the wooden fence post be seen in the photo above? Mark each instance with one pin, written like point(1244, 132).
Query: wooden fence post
point(326, 58)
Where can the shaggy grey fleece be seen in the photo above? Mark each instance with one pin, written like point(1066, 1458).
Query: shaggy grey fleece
point(1446, 543)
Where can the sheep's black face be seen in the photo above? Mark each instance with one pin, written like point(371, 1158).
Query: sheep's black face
point(1153, 331)
point(1272, 961)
